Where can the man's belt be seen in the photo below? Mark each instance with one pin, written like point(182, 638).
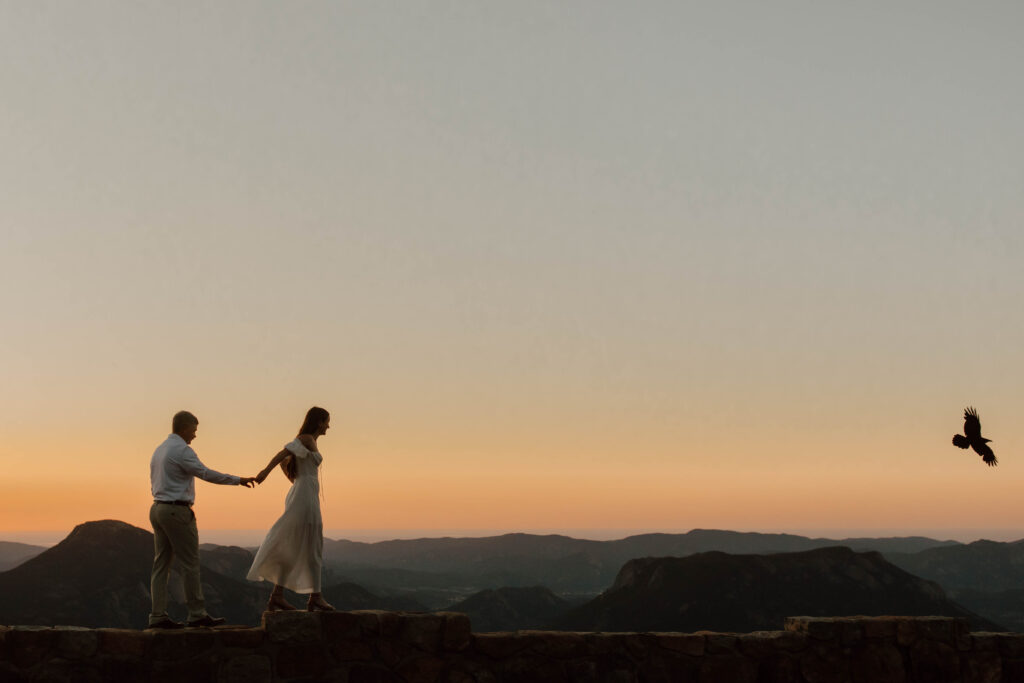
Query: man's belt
point(174, 502)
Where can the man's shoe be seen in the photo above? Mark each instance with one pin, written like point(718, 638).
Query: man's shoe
point(206, 621)
point(166, 623)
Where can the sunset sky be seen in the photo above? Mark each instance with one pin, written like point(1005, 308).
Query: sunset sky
point(593, 266)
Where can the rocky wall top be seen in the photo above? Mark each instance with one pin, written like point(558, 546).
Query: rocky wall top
point(378, 647)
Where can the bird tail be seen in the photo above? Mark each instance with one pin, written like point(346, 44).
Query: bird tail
point(960, 441)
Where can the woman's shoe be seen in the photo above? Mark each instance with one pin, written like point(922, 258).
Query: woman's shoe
point(277, 603)
point(318, 604)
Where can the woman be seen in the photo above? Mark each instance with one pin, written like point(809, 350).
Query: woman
point(292, 553)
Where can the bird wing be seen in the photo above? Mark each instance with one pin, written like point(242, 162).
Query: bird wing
point(972, 425)
point(986, 453)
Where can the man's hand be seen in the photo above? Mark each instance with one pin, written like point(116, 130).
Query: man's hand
point(246, 481)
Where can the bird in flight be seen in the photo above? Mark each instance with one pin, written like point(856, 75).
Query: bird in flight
point(972, 437)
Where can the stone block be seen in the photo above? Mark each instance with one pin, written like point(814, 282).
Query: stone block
point(619, 674)
point(168, 646)
point(819, 628)
point(246, 669)
point(292, 627)
point(28, 645)
point(458, 633)
point(557, 644)
point(733, 668)
point(350, 650)
point(636, 645)
point(468, 671)
point(9, 673)
point(75, 642)
point(195, 670)
point(981, 667)
point(880, 628)
point(243, 638)
point(369, 621)
point(983, 641)
point(422, 669)
point(851, 631)
point(301, 660)
point(423, 631)
point(1011, 645)
point(687, 643)
point(581, 670)
point(368, 673)
point(934, 661)
point(824, 663)
point(670, 669)
point(391, 651)
point(499, 645)
point(1013, 670)
point(67, 671)
point(907, 632)
point(720, 643)
point(342, 625)
point(124, 643)
point(878, 662)
point(123, 668)
point(762, 644)
point(780, 668)
point(939, 628)
point(530, 669)
point(390, 624)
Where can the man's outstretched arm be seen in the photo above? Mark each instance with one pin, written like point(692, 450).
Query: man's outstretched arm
point(195, 467)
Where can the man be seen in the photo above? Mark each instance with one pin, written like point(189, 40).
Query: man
point(172, 473)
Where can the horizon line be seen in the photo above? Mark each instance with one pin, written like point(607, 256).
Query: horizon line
point(253, 537)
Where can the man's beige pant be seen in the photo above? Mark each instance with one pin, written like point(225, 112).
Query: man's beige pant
point(175, 536)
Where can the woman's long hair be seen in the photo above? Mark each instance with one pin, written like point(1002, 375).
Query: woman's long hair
point(314, 416)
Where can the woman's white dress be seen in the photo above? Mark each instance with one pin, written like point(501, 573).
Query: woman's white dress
point(292, 553)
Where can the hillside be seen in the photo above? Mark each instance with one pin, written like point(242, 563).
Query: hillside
point(718, 591)
point(99, 577)
point(510, 609)
point(563, 564)
point(12, 554)
point(982, 565)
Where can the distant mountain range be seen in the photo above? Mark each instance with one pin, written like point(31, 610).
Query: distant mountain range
point(563, 564)
point(982, 565)
point(13, 554)
point(99, 576)
point(511, 609)
point(984, 576)
point(721, 592)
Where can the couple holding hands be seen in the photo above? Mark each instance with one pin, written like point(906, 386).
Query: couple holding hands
point(291, 555)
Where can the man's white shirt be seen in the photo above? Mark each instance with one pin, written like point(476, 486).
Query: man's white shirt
point(173, 470)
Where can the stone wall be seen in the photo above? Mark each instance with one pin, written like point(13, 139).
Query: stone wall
point(389, 647)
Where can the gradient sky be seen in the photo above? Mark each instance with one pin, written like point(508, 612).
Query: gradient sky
point(576, 265)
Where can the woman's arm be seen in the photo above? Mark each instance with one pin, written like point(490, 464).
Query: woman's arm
point(273, 463)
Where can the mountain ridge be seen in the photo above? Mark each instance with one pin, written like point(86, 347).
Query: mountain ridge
point(725, 592)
